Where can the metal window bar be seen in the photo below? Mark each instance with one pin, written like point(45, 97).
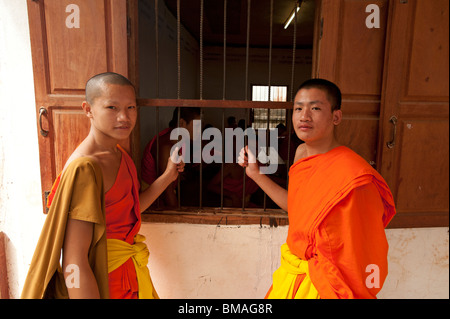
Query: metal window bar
point(246, 120)
point(200, 200)
point(158, 203)
point(223, 96)
point(270, 91)
point(201, 96)
point(223, 159)
point(178, 50)
point(202, 9)
point(289, 111)
point(179, 83)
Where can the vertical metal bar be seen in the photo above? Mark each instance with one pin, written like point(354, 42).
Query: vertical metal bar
point(179, 180)
point(223, 158)
point(178, 50)
point(294, 47)
point(201, 97)
point(270, 88)
point(201, 47)
point(157, 47)
point(179, 82)
point(224, 48)
point(201, 166)
point(223, 95)
point(267, 144)
point(289, 112)
point(157, 146)
point(270, 49)
point(157, 91)
point(244, 173)
point(247, 51)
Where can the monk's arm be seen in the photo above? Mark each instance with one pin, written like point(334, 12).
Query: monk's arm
point(147, 197)
point(75, 263)
point(277, 193)
point(168, 193)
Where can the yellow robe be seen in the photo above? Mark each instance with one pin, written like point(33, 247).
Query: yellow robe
point(78, 196)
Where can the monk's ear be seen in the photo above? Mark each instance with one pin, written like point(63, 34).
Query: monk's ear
point(337, 117)
point(87, 109)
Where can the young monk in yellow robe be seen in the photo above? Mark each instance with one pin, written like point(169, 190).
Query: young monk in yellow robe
point(95, 207)
point(338, 208)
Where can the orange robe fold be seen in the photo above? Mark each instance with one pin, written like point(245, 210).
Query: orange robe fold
point(338, 208)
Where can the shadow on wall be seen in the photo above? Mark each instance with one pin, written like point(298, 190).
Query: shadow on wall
point(7, 272)
point(4, 286)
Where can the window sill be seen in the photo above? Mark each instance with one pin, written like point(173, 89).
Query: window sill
point(217, 216)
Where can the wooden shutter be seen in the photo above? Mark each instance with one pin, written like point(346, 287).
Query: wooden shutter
point(351, 55)
point(416, 93)
point(65, 55)
point(397, 73)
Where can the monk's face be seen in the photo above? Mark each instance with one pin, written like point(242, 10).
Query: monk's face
point(113, 113)
point(312, 118)
point(189, 126)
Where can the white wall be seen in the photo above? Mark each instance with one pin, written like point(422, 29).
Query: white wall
point(418, 263)
point(21, 215)
point(206, 261)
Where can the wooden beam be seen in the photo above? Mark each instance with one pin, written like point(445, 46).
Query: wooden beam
point(213, 103)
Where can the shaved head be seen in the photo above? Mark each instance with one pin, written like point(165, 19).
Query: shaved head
point(96, 84)
point(332, 90)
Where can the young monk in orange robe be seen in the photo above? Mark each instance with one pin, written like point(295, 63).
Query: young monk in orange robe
point(94, 215)
point(338, 207)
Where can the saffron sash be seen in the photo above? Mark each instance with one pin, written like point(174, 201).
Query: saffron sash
point(120, 251)
point(285, 278)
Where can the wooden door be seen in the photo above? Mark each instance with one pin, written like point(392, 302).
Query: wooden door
point(351, 55)
point(71, 40)
point(413, 151)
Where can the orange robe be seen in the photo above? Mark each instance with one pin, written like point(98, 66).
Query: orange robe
point(149, 171)
point(123, 221)
point(338, 208)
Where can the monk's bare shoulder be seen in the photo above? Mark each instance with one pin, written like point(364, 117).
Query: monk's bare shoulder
point(300, 152)
point(76, 156)
point(83, 150)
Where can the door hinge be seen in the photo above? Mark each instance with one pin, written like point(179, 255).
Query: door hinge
point(46, 194)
